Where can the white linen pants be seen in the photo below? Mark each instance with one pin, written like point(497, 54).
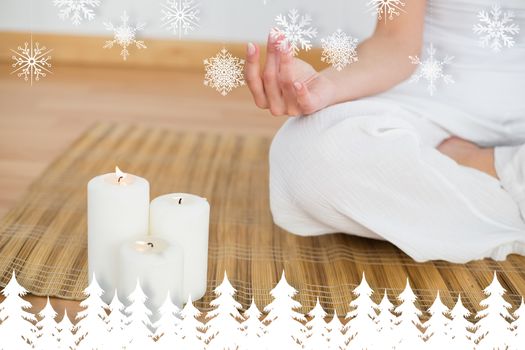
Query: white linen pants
point(371, 168)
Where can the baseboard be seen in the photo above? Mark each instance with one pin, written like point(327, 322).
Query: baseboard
point(162, 54)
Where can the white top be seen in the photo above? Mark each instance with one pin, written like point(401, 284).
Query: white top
point(486, 103)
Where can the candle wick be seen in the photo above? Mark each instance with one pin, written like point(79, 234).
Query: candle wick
point(151, 245)
point(120, 178)
point(180, 200)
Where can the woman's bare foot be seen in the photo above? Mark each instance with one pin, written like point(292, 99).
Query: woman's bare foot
point(469, 154)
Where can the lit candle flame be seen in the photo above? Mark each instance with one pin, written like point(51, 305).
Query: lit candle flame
point(119, 174)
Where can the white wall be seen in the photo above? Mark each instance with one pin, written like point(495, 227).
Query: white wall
point(221, 20)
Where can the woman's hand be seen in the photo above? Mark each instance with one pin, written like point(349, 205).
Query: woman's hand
point(288, 85)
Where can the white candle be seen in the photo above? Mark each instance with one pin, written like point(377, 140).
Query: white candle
point(157, 264)
point(184, 219)
point(118, 209)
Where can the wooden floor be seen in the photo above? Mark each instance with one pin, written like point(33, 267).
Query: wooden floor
point(38, 123)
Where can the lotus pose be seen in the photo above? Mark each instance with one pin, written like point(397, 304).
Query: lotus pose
point(368, 152)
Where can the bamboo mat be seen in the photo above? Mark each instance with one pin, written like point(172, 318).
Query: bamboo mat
point(43, 238)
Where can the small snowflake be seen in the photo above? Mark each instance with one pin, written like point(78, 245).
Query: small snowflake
point(77, 10)
point(180, 16)
point(295, 32)
point(386, 9)
point(432, 69)
point(124, 36)
point(224, 72)
point(496, 28)
point(31, 61)
point(339, 50)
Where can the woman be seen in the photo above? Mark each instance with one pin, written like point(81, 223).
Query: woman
point(374, 155)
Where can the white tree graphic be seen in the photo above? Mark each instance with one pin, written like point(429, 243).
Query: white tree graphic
point(284, 329)
point(436, 333)
point(317, 329)
point(138, 322)
point(191, 328)
point(518, 337)
point(66, 339)
point(460, 336)
point(283, 324)
point(223, 327)
point(91, 328)
point(47, 328)
point(361, 329)
point(407, 323)
point(336, 338)
point(116, 323)
point(385, 324)
point(253, 329)
point(168, 324)
point(16, 328)
point(493, 329)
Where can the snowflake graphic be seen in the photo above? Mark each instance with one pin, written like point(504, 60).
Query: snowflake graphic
point(31, 61)
point(224, 72)
point(432, 69)
point(386, 9)
point(294, 32)
point(496, 28)
point(180, 16)
point(77, 10)
point(339, 50)
point(125, 36)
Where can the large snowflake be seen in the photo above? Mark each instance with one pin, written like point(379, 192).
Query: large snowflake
point(77, 10)
point(180, 16)
point(125, 36)
point(339, 50)
point(293, 32)
point(31, 61)
point(496, 28)
point(386, 9)
point(432, 69)
point(224, 72)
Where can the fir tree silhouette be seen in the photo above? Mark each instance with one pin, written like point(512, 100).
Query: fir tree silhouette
point(407, 323)
point(138, 322)
point(283, 323)
point(361, 330)
point(385, 324)
point(460, 336)
point(66, 338)
point(517, 340)
point(91, 330)
point(116, 322)
point(191, 328)
point(223, 326)
point(493, 328)
point(316, 329)
point(436, 334)
point(336, 338)
point(253, 329)
point(47, 328)
point(17, 330)
point(168, 325)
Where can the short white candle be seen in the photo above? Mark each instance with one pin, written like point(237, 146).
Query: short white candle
point(184, 219)
point(118, 209)
point(156, 264)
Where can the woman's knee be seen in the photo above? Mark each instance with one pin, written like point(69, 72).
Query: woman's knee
point(305, 156)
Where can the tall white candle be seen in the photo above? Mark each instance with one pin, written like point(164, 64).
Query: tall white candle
point(157, 264)
point(184, 219)
point(118, 209)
